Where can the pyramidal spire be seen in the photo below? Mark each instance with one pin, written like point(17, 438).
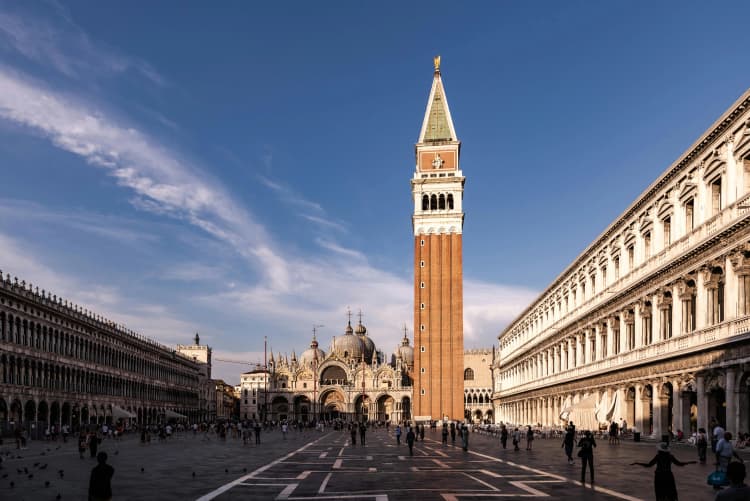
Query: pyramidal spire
point(437, 126)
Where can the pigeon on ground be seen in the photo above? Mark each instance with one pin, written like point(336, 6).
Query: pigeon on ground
point(19, 471)
point(36, 464)
point(5, 475)
point(142, 470)
point(193, 474)
point(59, 497)
point(12, 484)
point(31, 476)
point(226, 470)
point(25, 470)
point(43, 467)
point(46, 484)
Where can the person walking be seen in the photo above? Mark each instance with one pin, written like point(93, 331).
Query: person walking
point(504, 436)
point(93, 443)
point(362, 433)
point(665, 488)
point(421, 432)
point(717, 433)
point(444, 433)
point(453, 433)
point(82, 443)
point(256, 429)
point(516, 439)
point(100, 482)
point(464, 437)
point(398, 434)
point(410, 437)
point(586, 453)
point(701, 442)
point(353, 433)
point(569, 440)
point(529, 438)
point(737, 490)
point(725, 451)
point(284, 429)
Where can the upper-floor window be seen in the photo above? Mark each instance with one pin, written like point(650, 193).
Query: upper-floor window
point(469, 375)
point(689, 215)
point(616, 265)
point(667, 225)
point(631, 257)
point(647, 245)
point(716, 196)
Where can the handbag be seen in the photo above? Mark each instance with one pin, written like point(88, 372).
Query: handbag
point(717, 478)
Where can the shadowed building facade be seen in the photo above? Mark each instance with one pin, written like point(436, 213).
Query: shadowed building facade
point(437, 190)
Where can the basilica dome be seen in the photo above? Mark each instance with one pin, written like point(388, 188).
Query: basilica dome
point(348, 345)
point(406, 352)
point(310, 354)
point(367, 343)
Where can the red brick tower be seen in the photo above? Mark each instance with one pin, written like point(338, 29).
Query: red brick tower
point(437, 188)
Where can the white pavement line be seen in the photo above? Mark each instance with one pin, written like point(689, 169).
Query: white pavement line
point(341, 452)
point(491, 473)
point(523, 485)
point(322, 455)
point(440, 453)
point(486, 484)
point(287, 491)
point(337, 464)
point(372, 469)
point(304, 475)
point(369, 458)
point(557, 477)
point(440, 463)
point(323, 486)
point(211, 495)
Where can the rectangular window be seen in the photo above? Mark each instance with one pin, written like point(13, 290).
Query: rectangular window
point(422, 349)
point(422, 392)
point(422, 370)
point(647, 245)
point(421, 242)
point(604, 276)
point(421, 285)
point(667, 224)
point(421, 306)
point(421, 264)
point(616, 263)
point(716, 197)
point(689, 216)
point(631, 258)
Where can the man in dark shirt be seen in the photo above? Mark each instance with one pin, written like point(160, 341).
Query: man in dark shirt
point(100, 487)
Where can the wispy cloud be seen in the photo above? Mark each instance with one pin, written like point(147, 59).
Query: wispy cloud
point(160, 179)
point(325, 222)
point(289, 196)
point(55, 40)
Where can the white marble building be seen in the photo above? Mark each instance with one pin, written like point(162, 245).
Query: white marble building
point(651, 323)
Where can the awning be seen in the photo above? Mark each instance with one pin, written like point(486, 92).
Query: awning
point(174, 415)
point(119, 412)
point(582, 414)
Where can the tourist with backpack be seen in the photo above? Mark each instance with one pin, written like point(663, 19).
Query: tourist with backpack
point(586, 453)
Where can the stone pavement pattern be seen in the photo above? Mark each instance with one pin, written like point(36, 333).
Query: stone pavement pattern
point(325, 466)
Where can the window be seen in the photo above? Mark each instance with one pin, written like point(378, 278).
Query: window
point(667, 224)
point(421, 285)
point(422, 392)
point(421, 327)
point(647, 245)
point(450, 201)
point(421, 306)
point(421, 242)
point(441, 202)
point(422, 370)
point(604, 276)
point(689, 215)
point(433, 202)
point(421, 264)
point(616, 264)
point(425, 205)
point(716, 196)
point(422, 349)
point(469, 375)
point(631, 257)
point(304, 385)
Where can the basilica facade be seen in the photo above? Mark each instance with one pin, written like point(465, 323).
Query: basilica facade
point(650, 324)
point(350, 382)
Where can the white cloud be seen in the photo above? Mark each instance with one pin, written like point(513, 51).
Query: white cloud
point(61, 44)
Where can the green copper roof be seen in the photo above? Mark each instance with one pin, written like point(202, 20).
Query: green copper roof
point(437, 124)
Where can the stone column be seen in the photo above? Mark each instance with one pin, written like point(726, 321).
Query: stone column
point(731, 289)
point(623, 331)
point(610, 336)
point(678, 406)
point(702, 403)
point(655, 319)
point(731, 394)
point(658, 403)
point(638, 403)
point(677, 309)
point(700, 300)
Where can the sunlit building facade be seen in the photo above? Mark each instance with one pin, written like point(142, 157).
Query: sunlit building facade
point(63, 365)
point(651, 323)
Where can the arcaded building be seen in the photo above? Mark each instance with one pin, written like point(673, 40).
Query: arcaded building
point(352, 382)
point(63, 365)
point(437, 187)
point(478, 386)
point(651, 323)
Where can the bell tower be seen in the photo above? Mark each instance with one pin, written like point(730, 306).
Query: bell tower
point(437, 188)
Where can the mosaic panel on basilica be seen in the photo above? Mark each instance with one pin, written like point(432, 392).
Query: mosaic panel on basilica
point(650, 325)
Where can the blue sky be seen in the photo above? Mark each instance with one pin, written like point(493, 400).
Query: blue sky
point(242, 169)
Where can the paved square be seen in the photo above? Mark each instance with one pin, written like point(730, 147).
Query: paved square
point(314, 465)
